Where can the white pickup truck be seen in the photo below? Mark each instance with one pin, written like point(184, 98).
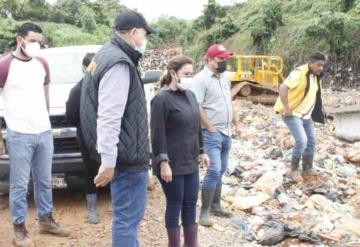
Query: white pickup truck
point(66, 70)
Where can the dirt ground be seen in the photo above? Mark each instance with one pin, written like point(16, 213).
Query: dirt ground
point(70, 205)
point(70, 210)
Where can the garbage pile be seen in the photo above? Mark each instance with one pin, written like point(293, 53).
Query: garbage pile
point(324, 209)
point(157, 59)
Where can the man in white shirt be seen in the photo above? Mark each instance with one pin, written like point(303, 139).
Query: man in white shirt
point(24, 82)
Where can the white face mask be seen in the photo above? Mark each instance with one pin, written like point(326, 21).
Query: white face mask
point(185, 83)
point(32, 49)
point(142, 48)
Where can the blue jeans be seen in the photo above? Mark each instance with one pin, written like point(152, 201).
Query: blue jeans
point(303, 132)
point(181, 197)
point(217, 146)
point(30, 153)
point(128, 194)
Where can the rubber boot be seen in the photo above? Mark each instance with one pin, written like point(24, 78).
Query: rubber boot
point(91, 206)
point(174, 237)
point(216, 207)
point(295, 174)
point(307, 164)
point(207, 197)
point(190, 236)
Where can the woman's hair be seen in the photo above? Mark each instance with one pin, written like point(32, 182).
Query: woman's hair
point(87, 59)
point(175, 63)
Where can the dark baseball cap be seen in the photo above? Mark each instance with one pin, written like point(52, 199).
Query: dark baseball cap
point(131, 19)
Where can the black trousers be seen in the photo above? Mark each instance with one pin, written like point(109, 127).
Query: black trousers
point(91, 166)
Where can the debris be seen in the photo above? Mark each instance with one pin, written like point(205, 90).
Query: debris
point(326, 206)
point(353, 156)
point(269, 182)
point(346, 171)
point(276, 153)
point(241, 225)
point(271, 232)
point(325, 226)
point(250, 201)
point(219, 228)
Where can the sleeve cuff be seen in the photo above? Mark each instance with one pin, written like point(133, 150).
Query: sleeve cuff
point(108, 161)
point(202, 151)
point(161, 157)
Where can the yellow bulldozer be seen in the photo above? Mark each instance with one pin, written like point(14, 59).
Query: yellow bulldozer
point(257, 77)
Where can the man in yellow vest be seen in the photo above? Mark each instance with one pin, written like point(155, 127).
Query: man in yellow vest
point(300, 105)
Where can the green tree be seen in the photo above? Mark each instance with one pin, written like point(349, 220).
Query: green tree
point(346, 5)
point(331, 27)
point(67, 11)
point(9, 8)
point(7, 34)
point(88, 20)
point(271, 19)
point(212, 11)
point(169, 32)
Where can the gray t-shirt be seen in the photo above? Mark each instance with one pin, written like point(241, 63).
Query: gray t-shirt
point(213, 94)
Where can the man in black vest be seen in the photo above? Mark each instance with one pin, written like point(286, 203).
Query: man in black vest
point(115, 126)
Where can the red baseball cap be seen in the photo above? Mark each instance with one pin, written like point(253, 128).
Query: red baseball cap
point(219, 51)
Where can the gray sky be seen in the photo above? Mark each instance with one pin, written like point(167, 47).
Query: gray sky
point(185, 9)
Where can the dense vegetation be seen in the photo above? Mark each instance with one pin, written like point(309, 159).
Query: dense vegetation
point(289, 28)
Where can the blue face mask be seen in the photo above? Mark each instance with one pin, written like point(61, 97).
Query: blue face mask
point(142, 48)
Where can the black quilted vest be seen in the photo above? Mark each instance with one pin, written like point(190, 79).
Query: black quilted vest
point(133, 146)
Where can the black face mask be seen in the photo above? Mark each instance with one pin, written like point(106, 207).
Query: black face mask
point(221, 66)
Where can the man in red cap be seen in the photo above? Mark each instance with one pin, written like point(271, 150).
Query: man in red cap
point(212, 90)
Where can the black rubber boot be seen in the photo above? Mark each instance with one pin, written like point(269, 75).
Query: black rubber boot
point(207, 197)
point(216, 207)
point(295, 163)
point(295, 173)
point(307, 163)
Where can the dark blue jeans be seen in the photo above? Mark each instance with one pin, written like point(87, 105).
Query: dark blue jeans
point(128, 194)
point(217, 146)
point(181, 197)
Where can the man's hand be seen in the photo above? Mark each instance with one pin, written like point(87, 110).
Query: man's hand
point(204, 160)
point(165, 172)
point(2, 147)
point(104, 176)
point(237, 131)
point(287, 112)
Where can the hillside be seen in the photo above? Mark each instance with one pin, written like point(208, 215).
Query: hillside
point(293, 29)
point(290, 28)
